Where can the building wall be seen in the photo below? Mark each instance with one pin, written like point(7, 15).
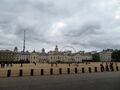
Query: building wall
point(55, 57)
point(38, 57)
point(87, 57)
point(24, 56)
point(43, 57)
point(51, 56)
point(6, 55)
point(105, 56)
point(34, 57)
point(78, 58)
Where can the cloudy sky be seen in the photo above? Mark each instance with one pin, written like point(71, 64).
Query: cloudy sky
point(82, 24)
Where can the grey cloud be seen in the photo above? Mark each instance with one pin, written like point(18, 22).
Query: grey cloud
point(31, 35)
point(88, 24)
point(102, 44)
point(86, 29)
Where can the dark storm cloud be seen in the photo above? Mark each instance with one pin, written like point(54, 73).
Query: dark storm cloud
point(79, 23)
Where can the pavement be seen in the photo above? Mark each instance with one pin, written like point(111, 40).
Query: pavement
point(86, 81)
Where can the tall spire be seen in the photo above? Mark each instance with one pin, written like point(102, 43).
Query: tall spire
point(24, 42)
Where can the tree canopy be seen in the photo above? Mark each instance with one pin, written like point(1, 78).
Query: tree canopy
point(116, 55)
point(96, 57)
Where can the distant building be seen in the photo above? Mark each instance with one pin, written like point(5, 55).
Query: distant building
point(60, 56)
point(22, 56)
point(105, 55)
point(68, 56)
point(82, 56)
point(34, 57)
point(7, 55)
point(55, 56)
point(43, 56)
point(78, 57)
point(87, 57)
point(37, 57)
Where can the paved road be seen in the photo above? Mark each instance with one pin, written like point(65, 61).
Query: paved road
point(93, 81)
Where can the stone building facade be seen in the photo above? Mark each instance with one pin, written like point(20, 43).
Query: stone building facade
point(39, 57)
point(7, 55)
point(43, 57)
point(59, 56)
point(22, 56)
point(105, 55)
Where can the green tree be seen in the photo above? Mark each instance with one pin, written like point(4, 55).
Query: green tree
point(96, 57)
point(116, 55)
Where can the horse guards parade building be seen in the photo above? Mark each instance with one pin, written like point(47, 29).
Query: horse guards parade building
point(52, 56)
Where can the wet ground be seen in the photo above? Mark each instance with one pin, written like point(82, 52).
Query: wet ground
point(86, 81)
